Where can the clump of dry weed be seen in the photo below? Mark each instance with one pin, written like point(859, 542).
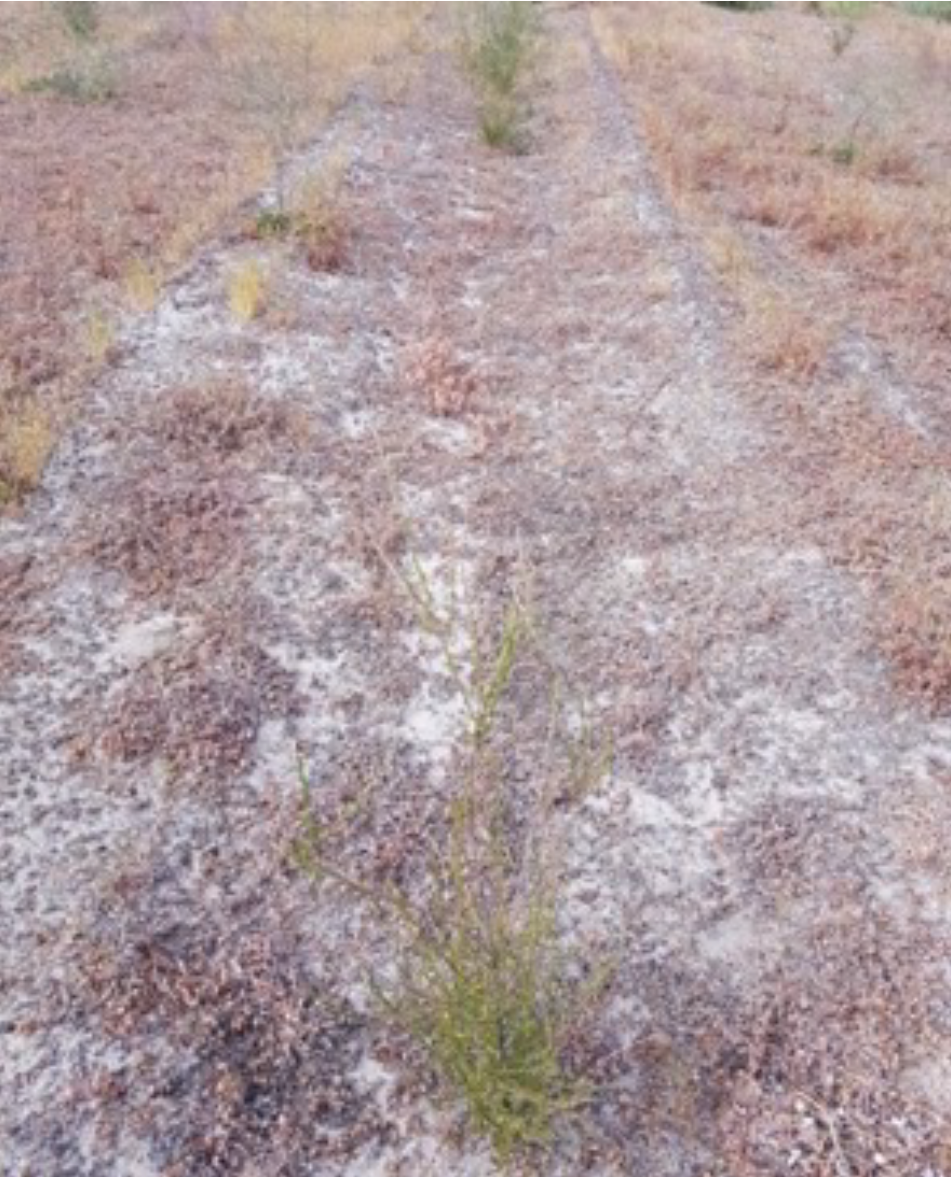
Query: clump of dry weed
point(199, 709)
point(320, 220)
point(247, 290)
point(443, 381)
point(915, 633)
point(166, 533)
point(26, 440)
point(225, 420)
point(780, 336)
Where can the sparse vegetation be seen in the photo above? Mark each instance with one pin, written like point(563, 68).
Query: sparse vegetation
point(934, 9)
point(90, 80)
point(481, 987)
point(81, 17)
point(140, 284)
point(271, 62)
point(272, 223)
point(319, 218)
point(317, 857)
point(247, 290)
point(844, 154)
point(111, 233)
point(26, 439)
point(484, 997)
point(313, 215)
point(483, 984)
point(846, 224)
point(841, 37)
point(500, 121)
point(498, 44)
point(82, 71)
point(286, 66)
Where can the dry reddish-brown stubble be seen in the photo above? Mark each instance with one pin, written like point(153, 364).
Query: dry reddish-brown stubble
point(91, 189)
point(813, 249)
point(756, 123)
point(102, 201)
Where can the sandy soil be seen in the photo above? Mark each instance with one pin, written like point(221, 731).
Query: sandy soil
point(197, 591)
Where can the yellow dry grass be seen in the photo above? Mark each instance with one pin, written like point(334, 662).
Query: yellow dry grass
point(100, 335)
point(847, 152)
point(26, 439)
point(289, 64)
point(35, 39)
point(841, 155)
point(140, 284)
point(247, 290)
point(812, 167)
point(780, 335)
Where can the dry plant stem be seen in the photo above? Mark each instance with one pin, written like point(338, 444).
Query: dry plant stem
point(309, 858)
point(827, 1119)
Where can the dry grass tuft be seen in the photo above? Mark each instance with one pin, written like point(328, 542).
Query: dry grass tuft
point(851, 216)
point(141, 284)
point(780, 336)
point(224, 421)
point(247, 290)
point(438, 377)
point(100, 335)
point(26, 440)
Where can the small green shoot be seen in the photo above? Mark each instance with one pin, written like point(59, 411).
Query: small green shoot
point(272, 223)
point(844, 154)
